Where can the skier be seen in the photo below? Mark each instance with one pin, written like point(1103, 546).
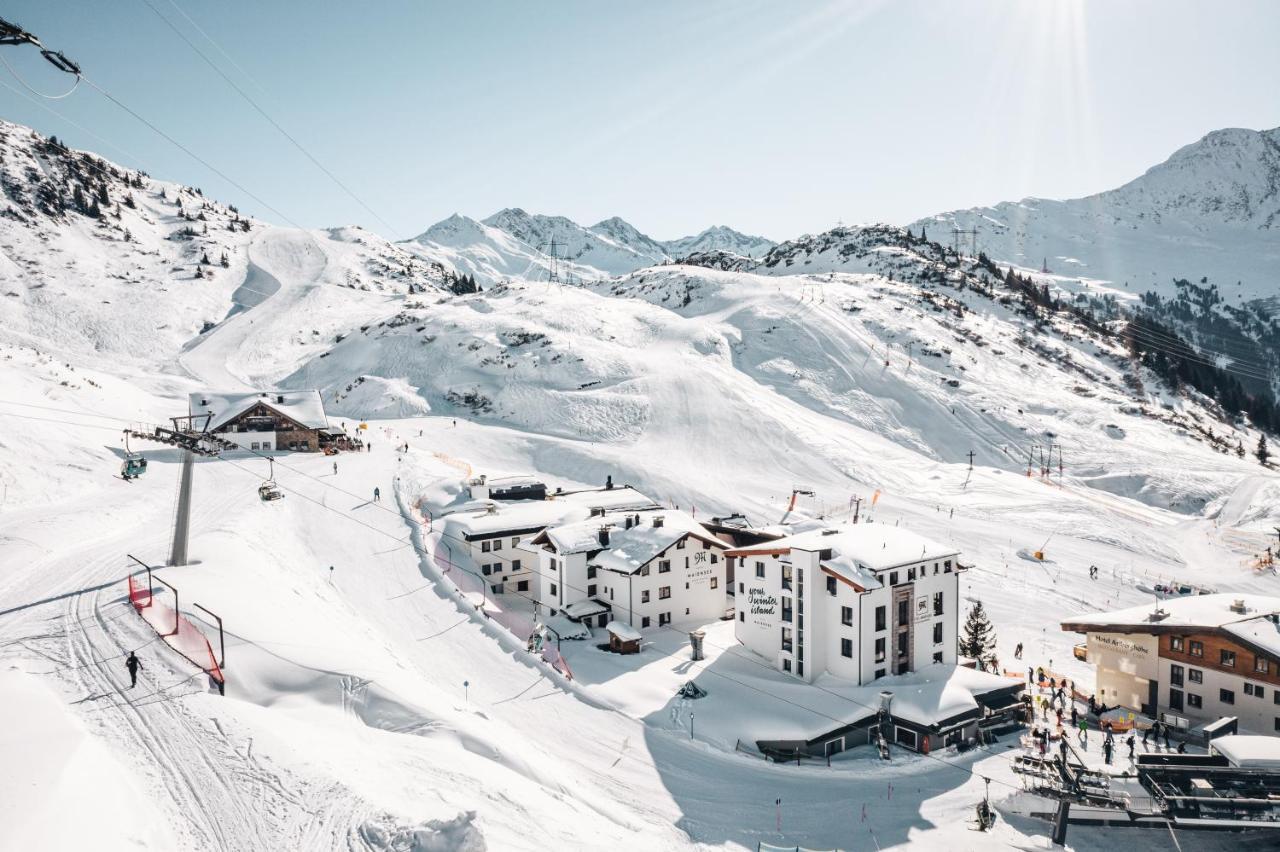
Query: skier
point(133, 664)
point(1017, 652)
point(1182, 748)
point(1164, 730)
point(1106, 750)
point(1031, 675)
point(377, 495)
point(1084, 733)
point(1062, 749)
point(1130, 743)
point(1075, 715)
point(335, 468)
point(1146, 732)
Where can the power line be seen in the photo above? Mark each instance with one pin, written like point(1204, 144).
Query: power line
point(232, 83)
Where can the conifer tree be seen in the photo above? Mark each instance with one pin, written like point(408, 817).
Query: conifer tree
point(204, 259)
point(979, 636)
point(1263, 454)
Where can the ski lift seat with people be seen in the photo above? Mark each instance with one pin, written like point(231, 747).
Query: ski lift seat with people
point(134, 466)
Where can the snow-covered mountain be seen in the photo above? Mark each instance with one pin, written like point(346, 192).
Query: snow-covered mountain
point(379, 700)
point(719, 238)
point(1211, 210)
point(513, 243)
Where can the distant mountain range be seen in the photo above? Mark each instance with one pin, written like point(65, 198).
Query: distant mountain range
point(1211, 210)
point(513, 243)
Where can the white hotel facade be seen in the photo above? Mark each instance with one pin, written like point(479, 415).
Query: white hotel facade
point(858, 601)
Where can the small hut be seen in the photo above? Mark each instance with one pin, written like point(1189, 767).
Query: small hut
point(623, 638)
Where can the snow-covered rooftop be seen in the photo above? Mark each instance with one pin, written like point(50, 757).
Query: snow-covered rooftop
point(861, 547)
point(1247, 750)
point(1194, 611)
point(617, 497)
point(302, 406)
point(585, 608)
point(927, 696)
point(629, 547)
point(848, 568)
point(508, 516)
point(623, 631)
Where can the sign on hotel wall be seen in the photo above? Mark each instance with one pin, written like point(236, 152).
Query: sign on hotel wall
point(700, 570)
point(922, 608)
point(762, 607)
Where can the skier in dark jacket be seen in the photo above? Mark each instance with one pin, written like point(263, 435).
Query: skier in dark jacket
point(1106, 750)
point(377, 495)
point(133, 664)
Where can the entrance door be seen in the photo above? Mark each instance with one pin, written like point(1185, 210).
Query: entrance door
point(835, 746)
point(1175, 700)
point(1153, 698)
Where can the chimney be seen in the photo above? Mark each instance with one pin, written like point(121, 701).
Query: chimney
point(1238, 606)
point(203, 403)
point(279, 398)
point(604, 536)
point(886, 699)
point(608, 483)
point(657, 521)
point(626, 522)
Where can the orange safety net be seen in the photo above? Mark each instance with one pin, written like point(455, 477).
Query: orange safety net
point(177, 631)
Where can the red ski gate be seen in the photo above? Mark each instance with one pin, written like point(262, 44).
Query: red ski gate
point(176, 630)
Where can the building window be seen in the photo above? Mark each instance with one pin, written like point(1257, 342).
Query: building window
point(879, 674)
point(742, 588)
point(893, 578)
point(911, 573)
point(1227, 658)
point(664, 618)
point(786, 639)
point(1195, 675)
point(664, 566)
point(1197, 648)
point(591, 591)
point(680, 544)
point(902, 644)
point(846, 616)
point(786, 609)
point(1278, 723)
point(935, 569)
point(715, 582)
point(800, 668)
point(786, 665)
point(515, 542)
point(644, 622)
point(1255, 690)
point(496, 588)
point(1261, 665)
point(742, 616)
point(644, 572)
point(831, 586)
point(946, 567)
point(591, 572)
point(553, 588)
point(485, 569)
point(644, 596)
point(880, 650)
point(760, 570)
point(715, 558)
point(1275, 696)
point(485, 546)
point(522, 586)
point(937, 633)
point(846, 648)
point(1176, 643)
point(937, 656)
point(880, 619)
point(1175, 700)
point(1194, 701)
point(904, 612)
point(1175, 675)
point(786, 576)
point(937, 603)
point(1226, 696)
point(497, 544)
point(664, 592)
point(515, 564)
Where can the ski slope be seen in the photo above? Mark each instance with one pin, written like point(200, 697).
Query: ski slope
point(371, 704)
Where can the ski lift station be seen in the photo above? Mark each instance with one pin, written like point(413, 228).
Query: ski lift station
point(266, 420)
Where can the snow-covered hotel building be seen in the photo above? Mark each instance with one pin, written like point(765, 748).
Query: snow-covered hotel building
point(1191, 660)
point(858, 601)
point(493, 530)
point(646, 569)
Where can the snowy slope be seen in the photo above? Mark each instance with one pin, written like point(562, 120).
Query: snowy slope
point(1211, 210)
point(382, 705)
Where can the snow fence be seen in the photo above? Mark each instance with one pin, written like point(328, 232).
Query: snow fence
point(176, 630)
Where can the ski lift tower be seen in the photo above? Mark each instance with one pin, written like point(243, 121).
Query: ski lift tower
point(972, 233)
point(553, 271)
point(194, 440)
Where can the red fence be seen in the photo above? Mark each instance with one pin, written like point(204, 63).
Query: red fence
point(176, 630)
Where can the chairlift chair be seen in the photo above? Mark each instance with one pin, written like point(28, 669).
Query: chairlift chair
point(268, 490)
point(134, 464)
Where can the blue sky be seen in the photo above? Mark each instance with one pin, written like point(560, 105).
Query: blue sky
point(774, 118)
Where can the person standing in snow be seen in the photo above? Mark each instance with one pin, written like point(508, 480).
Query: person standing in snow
point(1130, 743)
point(335, 468)
point(1084, 733)
point(1106, 750)
point(1017, 652)
point(1075, 715)
point(377, 494)
point(133, 664)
